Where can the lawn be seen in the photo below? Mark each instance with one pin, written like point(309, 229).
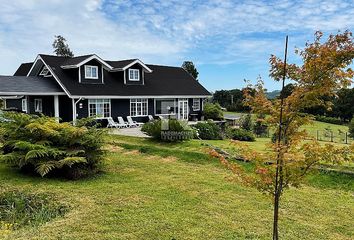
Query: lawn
point(152, 190)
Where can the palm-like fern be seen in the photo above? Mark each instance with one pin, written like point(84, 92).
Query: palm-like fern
point(47, 145)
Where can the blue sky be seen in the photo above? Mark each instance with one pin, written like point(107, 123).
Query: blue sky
point(229, 41)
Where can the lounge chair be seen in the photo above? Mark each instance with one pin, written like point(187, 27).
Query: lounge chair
point(151, 118)
point(112, 123)
point(133, 123)
point(122, 123)
point(161, 117)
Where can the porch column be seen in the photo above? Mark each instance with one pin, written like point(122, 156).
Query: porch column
point(56, 107)
point(74, 110)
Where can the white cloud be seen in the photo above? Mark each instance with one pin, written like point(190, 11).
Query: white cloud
point(160, 31)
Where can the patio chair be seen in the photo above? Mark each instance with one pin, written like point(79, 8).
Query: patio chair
point(122, 123)
point(161, 117)
point(151, 118)
point(112, 123)
point(133, 123)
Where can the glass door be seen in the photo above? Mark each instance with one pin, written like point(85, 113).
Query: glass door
point(183, 109)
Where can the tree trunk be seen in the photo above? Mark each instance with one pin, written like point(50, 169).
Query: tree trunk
point(276, 216)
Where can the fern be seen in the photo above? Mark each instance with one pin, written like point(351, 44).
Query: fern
point(45, 167)
point(69, 161)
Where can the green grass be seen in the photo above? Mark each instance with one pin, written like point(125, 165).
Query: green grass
point(156, 190)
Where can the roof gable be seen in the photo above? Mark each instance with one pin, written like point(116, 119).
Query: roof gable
point(76, 62)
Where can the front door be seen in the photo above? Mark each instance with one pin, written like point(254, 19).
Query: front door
point(183, 109)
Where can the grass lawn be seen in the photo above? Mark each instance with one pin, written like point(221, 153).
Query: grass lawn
point(176, 191)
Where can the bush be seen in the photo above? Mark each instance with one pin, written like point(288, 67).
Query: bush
point(328, 119)
point(213, 111)
point(260, 127)
point(42, 145)
point(246, 122)
point(171, 130)
point(241, 135)
point(351, 128)
point(19, 209)
point(208, 130)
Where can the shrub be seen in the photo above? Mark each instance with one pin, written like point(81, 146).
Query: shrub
point(241, 135)
point(171, 130)
point(246, 122)
point(213, 111)
point(328, 119)
point(351, 128)
point(42, 145)
point(208, 130)
point(260, 127)
point(19, 209)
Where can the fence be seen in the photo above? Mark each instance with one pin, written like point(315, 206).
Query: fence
point(324, 136)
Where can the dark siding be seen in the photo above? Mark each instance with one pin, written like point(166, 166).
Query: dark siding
point(135, 66)
point(37, 67)
point(47, 105)
point(121, 108)
point(82, 109)
point(191, 111)
point(91, 81)
point(65, 109)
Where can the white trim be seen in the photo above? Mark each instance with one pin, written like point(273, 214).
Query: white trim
point(141, 96)
point(136, 109)
point(52, 72)
point(102, 74)
point(39, 100)
point(79, 74)
point(91, 67)
point(135, 62)
point(24, 105)
point(134, 70)
point(31, 93)
point(87, 60)
point(56, 107)
point(125, 79)
point(194, 100)
point(103, 117)
point(4, 101)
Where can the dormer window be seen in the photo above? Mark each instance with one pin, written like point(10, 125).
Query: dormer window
point(91, 72)
point(134, 75)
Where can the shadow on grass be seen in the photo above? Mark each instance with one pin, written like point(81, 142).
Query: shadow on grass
point(183, 155)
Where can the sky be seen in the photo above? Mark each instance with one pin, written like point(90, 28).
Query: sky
point(228, 41)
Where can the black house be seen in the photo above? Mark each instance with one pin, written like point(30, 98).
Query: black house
point(75, 87)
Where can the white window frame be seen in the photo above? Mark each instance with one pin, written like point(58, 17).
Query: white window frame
point(134, 71)
point(45, 72)
point(196, 101)
point(90, 76)
point(24, 105)
point(95, 101)
point(39, 102)
point(139, 102)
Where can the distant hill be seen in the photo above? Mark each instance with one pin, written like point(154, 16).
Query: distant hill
point(273, 94)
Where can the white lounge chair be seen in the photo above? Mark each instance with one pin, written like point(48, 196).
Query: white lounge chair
point(151, 118)
point(112, 123)
point(122, 123)
point(133, 123)
point(161, 117)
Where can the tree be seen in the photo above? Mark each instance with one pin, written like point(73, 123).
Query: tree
point(61, 48)
point(343, 106)
point(351, 128)
point(287, 91)
point(324, 70)
point(190, 68)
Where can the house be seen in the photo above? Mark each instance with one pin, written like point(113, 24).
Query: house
point(70, 88)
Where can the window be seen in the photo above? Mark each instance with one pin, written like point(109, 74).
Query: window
point(138, 107)
point(99, 108)
point(196, 104)
point(91, 72)
point(134, 75)
point(45, 72)
point(165, 106)
point(38, 105)
point(24, 105)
